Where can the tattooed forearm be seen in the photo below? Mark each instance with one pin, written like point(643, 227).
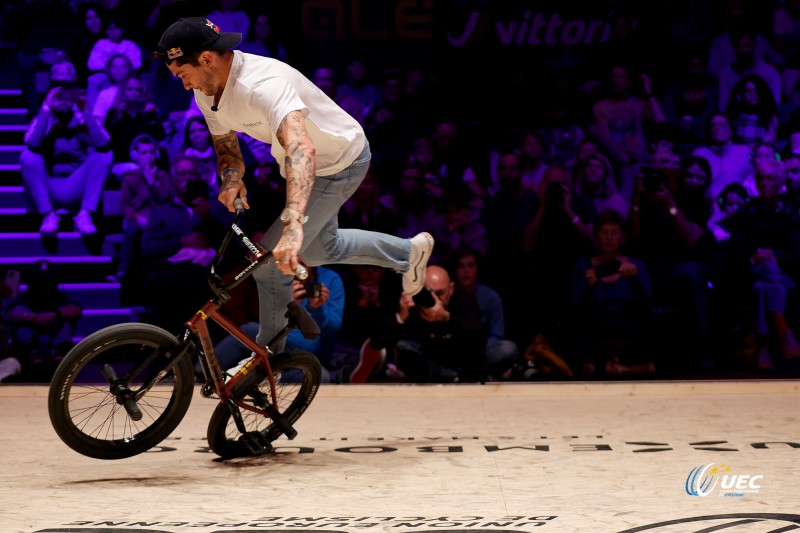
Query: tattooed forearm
point(300, 161)
point(229, 155)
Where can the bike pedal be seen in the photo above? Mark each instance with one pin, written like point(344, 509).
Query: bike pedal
point(256, 443)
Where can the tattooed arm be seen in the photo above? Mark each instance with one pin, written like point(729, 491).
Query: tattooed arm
point(300, 168)
point(230, 165)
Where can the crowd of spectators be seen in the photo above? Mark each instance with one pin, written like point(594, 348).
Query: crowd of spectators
point(629, 217)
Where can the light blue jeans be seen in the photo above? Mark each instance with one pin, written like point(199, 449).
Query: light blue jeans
point(80, 190)
point(324, 243)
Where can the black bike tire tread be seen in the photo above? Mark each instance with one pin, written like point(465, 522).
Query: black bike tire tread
point(297, 359)
point(148, 438)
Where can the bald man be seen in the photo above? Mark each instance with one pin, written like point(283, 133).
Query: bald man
point(438, 343)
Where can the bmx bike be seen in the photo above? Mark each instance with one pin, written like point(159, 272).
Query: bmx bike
point(123, 389)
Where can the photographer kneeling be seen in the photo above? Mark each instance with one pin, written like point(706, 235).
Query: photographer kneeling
point(435, 337)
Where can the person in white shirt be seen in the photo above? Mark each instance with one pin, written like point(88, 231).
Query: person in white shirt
point(322, 152)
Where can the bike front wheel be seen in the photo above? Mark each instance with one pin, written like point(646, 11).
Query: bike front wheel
point(297, 378)
point(85, 413)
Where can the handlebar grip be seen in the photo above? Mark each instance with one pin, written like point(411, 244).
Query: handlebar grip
point(238, 204)
point(301, 272)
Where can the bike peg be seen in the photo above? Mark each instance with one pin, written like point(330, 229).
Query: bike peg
point(301, 272)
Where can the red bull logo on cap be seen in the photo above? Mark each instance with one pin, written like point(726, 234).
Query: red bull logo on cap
point(172, 53)
point(212, 26)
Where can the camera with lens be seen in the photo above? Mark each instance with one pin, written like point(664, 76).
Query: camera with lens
point(312, 288)
point(424, 298)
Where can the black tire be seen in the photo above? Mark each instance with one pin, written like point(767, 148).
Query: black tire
point(295, 391)
point(86, 415)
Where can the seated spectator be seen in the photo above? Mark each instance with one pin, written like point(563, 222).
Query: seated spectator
point(746, 61)
point(562, 131)
point(412, 206)
point(391, 125)
point(586, 147)
point(732, 198)
point(753, 111)
point(324, 77)
point(66, 160)
point(611, 300)
point(89, 32)
point(443, 343)
point(464, 226)
point(262, 41)
point(690, 99)
point(595, 180)
point(730, 162)
point(363, 209)
point(620, 121)
point(198, 144)
point(558, 234)
point(103, 50)
point(765, 239)
point(358, 84)
point(532, 152)
point(132, 114)
point(42, 322)
point(118, 71)
point(143, 187)
point(178, 245)
point(723, 47)
point(668, 224)
point(500, 353)
point(323, 296)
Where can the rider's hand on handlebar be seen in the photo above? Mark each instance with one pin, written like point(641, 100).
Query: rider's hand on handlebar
point(230, 192)
point(285, 253)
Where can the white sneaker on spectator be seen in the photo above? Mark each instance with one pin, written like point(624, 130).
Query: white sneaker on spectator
point(83, 223)
point(414, 277)
point(49, 223)
point(9, 367)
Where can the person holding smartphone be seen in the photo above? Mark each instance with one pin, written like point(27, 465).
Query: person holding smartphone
point(611, 297)
point(66, 159)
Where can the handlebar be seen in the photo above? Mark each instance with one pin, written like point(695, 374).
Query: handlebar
point(218, 286)
point(300, 272)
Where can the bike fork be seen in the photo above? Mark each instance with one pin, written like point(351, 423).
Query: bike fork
point(125, 397)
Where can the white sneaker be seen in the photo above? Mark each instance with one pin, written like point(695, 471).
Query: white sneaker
point(83, 223)
point(9, 367)
point(414, 277)
point(235, 369)
point(49, 223)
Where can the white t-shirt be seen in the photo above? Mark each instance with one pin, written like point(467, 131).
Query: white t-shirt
point(258, 95)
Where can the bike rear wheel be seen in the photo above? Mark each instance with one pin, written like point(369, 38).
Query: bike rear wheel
point(297, 378)
point(86, 415)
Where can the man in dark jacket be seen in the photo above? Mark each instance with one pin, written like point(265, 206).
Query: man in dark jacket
point(438, 341)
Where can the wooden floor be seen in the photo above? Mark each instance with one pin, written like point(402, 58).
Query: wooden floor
point(593, 457)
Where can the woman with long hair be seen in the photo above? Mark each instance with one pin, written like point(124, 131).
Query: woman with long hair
point(753, 111)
